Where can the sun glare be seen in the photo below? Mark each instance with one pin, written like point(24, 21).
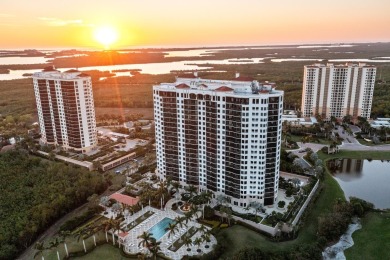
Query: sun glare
point(106, 35)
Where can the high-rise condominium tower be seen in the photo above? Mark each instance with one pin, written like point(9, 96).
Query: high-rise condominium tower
point(66, 110)
point(338, 90)
point(221, 136)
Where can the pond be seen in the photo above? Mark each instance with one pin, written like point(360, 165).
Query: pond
point(365, 179)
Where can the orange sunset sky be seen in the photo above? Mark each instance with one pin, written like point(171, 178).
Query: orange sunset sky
point(51, 24)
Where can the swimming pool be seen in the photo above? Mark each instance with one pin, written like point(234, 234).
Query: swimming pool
point(158, 230)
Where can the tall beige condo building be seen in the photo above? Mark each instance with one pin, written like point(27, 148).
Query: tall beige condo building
point(338, 90)
point(66, 111)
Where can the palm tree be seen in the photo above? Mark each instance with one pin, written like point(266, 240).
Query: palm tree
point(172, 229)
point(80, 234)
point(221, 199)
point(187, 242)
point(257, 206)
point(162, 192)
point(146, 239)
point(198, 241)
point(107, 225)
point(154, 248)
point(180, 221)
point(116, 227)
point(187, 216)
point(63, 235)
point(205, 237)
point(247, 208)
point(40, 247)
point(202, 229)
point(175, 186)
point(54, 244)
point(191, 189)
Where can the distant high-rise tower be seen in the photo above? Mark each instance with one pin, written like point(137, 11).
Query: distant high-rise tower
point(66, 110)
point(338, 90)
point(222, 136)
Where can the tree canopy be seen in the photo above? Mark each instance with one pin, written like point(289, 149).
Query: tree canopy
point(34, 193)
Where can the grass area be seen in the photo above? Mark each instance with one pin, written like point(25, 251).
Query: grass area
point(373, 240)
point(364, 142)
point(374, 155)
point(239, 237)
point(106, 252)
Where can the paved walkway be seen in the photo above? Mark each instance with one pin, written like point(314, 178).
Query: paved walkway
point(131, 241)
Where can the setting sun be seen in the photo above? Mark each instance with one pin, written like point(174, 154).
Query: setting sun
point(106, 35)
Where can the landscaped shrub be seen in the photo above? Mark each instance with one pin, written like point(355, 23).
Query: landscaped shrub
point(174, 206)
point(224, 225)
point(208, 212)
point(281, 204)
point(289, 192)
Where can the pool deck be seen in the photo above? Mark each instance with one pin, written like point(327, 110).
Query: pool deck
point(130, 241)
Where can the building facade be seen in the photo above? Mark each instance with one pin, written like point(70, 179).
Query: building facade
point(66, 111)
point(221, 136)
point(338, 90)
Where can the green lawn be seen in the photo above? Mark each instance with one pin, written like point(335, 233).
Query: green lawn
point(373, 240)
point(239, 237)
point(374, 155)
point(106, 252)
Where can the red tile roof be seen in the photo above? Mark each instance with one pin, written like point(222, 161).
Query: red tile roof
point(71, 71)
point(123, 234)
point(83, 75)
point(124, 199)
point(182, 86)
point(224, 88)
point(203, 86)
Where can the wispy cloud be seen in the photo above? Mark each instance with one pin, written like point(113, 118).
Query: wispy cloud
point(51, 21)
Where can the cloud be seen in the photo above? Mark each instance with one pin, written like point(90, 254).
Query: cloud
point(59, 22)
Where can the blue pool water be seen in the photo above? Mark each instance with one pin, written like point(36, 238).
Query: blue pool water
point(158, 230)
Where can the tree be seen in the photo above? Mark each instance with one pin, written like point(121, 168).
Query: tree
point(146, 239)
point(180, 221)
point(175, 187)
point(63, 236)
point(162, 192)
point(54, 244)
point(221, 199)
point(172, 229)
point(191, 189)
point(116, 225)
point(107, 225)
point(347, 119)
point(40, 247)
point(257, 206)
point(187, 242)
point(197, 242)
point(80, 234)
point(154, 248)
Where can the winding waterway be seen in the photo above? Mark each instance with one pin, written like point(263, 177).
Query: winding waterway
point(336, 252)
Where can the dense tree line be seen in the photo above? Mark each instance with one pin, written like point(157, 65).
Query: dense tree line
point(34, 193)
point(332, 225)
